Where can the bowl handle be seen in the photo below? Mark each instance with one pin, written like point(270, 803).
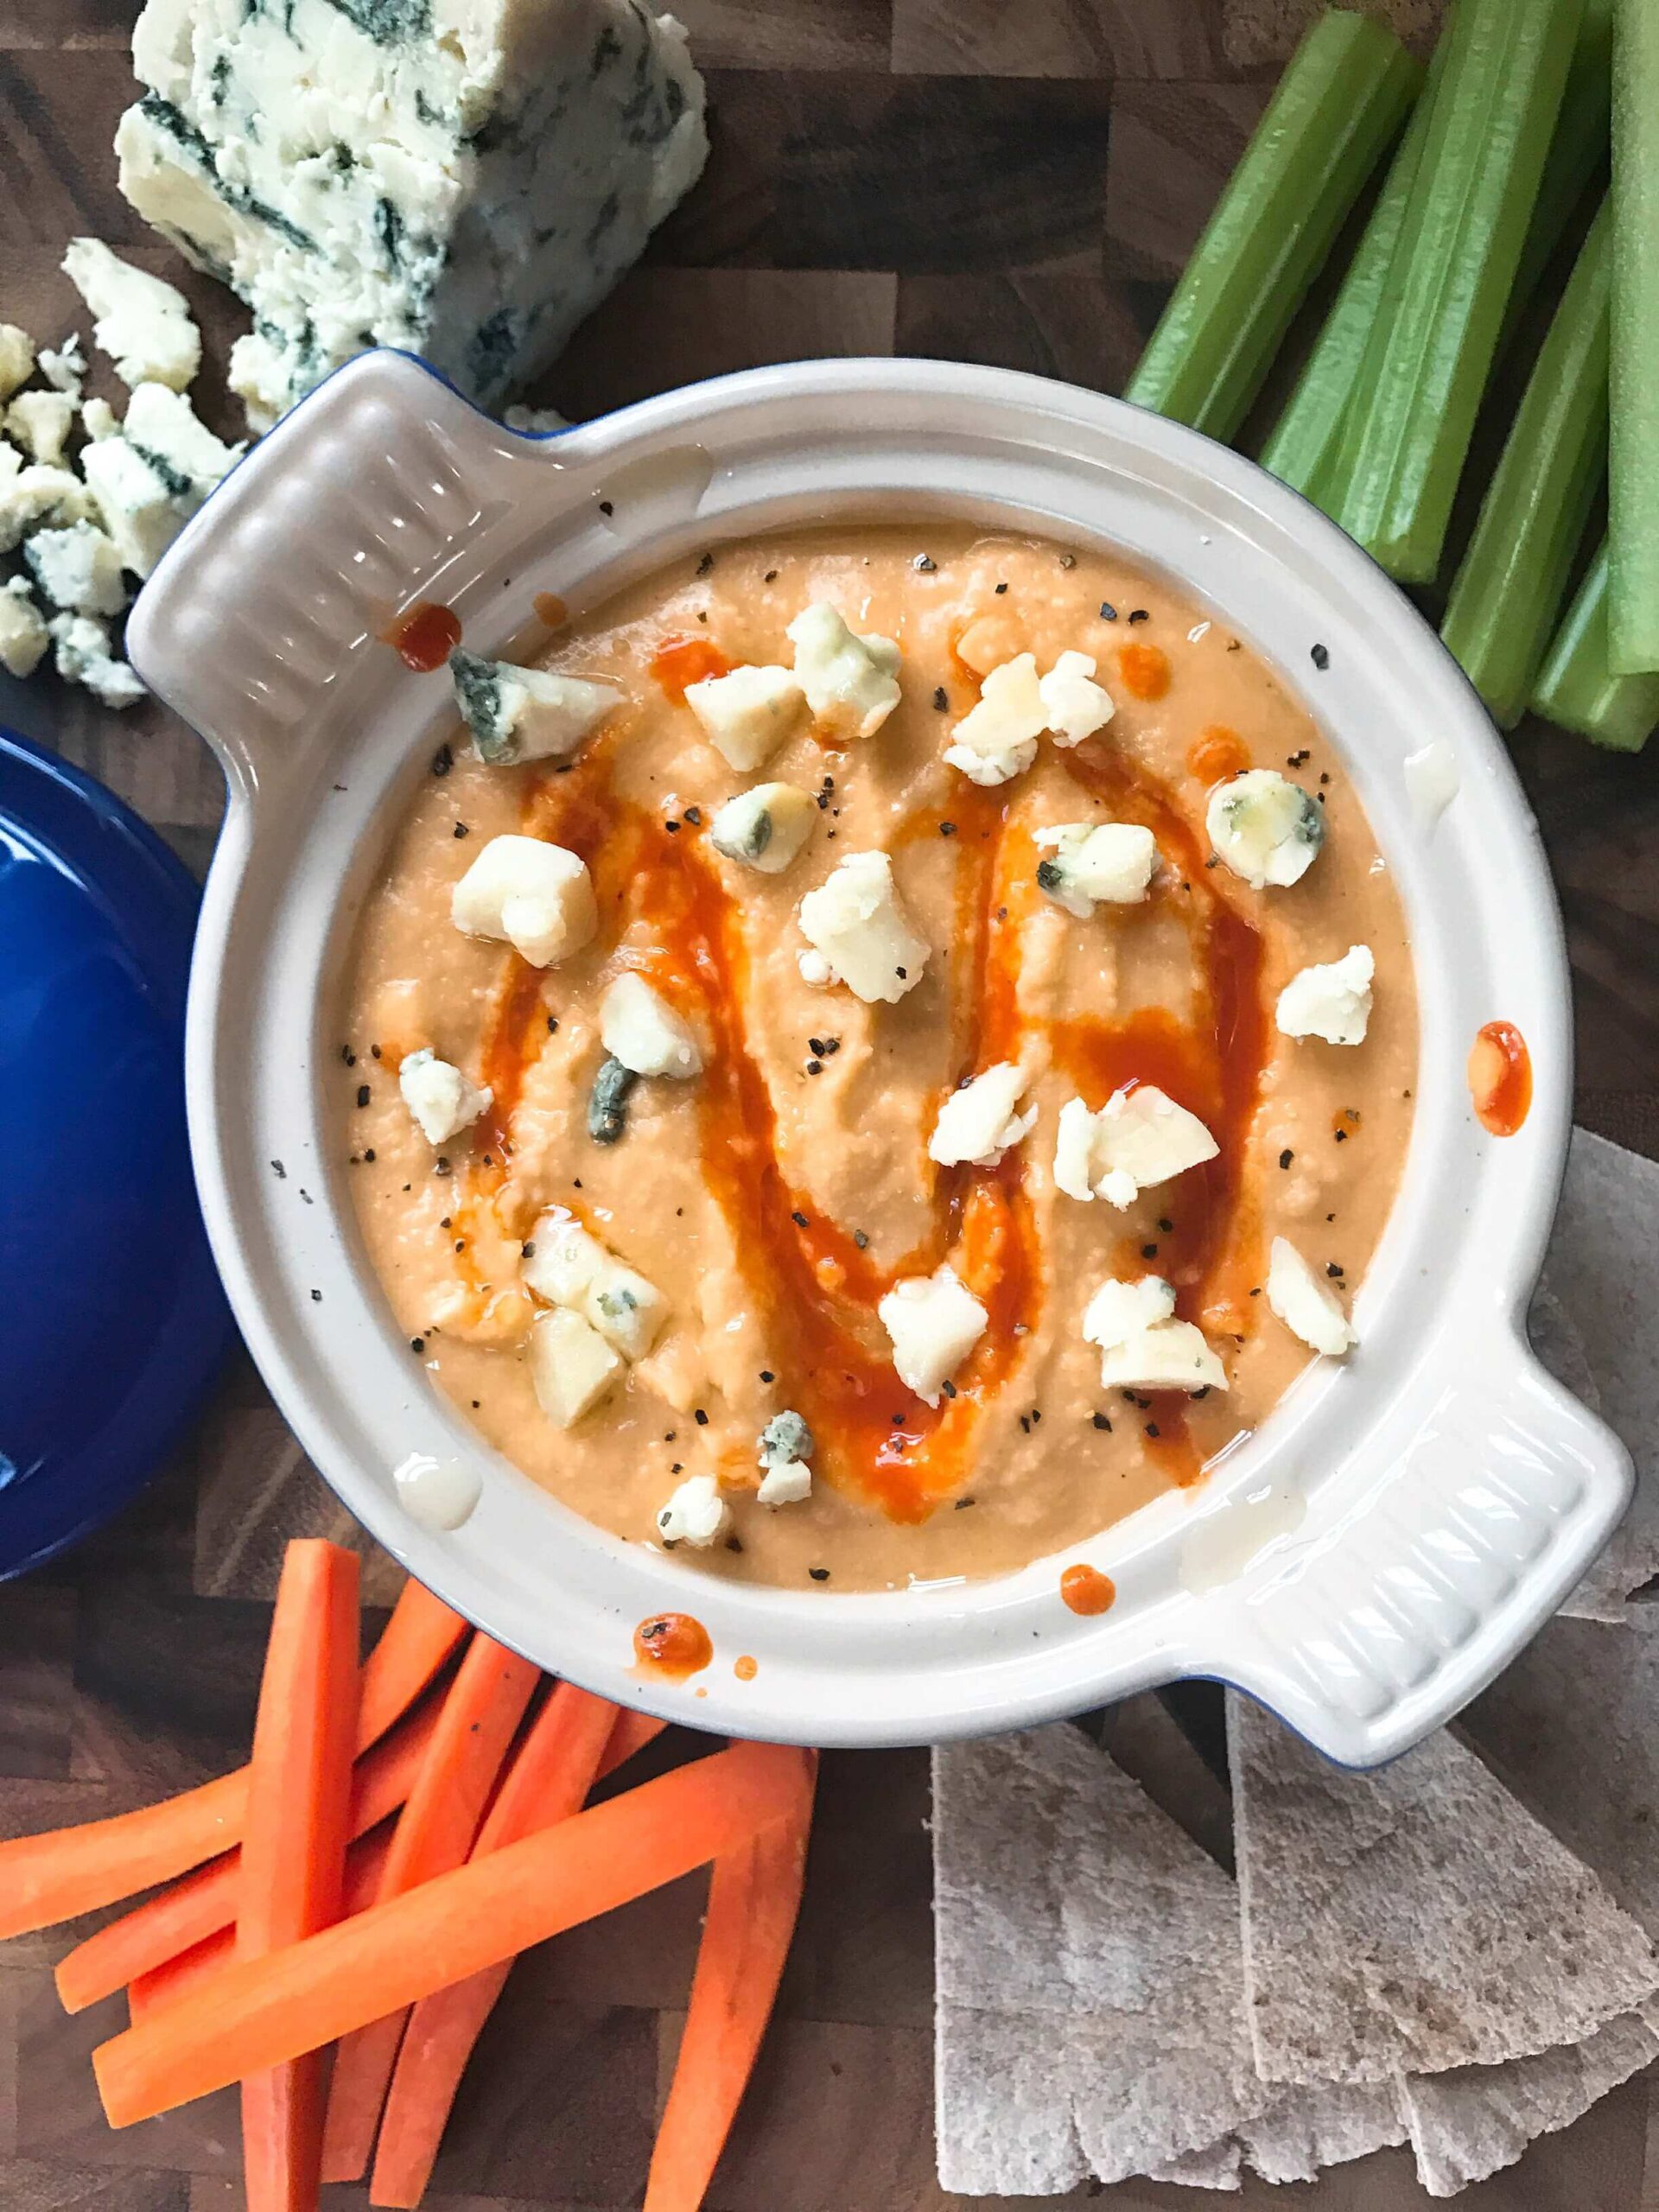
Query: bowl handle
point(353, 504)
point(1491, 1502)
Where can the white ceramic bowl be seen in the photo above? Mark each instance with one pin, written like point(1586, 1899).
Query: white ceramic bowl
point(1364, 1563)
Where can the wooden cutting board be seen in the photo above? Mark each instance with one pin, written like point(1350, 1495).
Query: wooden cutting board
point(1006, 180)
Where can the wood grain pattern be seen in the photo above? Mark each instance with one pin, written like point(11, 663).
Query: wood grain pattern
point(1004, 180)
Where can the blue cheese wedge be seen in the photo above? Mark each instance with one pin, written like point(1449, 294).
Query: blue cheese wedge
point(1142, 1345)
point(857, 926)
point(16, 358)
point(442, 1099)
point(638, 1026)
point(143, 322)
point(85, 653)
point(569, 1267)
point(466, 178)
point(40, 423)
point(1074, 704)
point(571, 1366)
point(746, 714)
point(1309, 1307)
point(696, 1514)
point(978, 1123)
point(23, 634)
point(526, 714)
point(786, 1448)
point(1089, 864)
point(77, 569)
point(766, 827)
point(1139, 1138)
point(1332, 1001)
point(536, 896)
point(851, 683)
point(996, 738)
point(1265, 827)
point(933, 1322)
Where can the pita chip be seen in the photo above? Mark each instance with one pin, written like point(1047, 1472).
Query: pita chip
point(1090, 1994)
point(1414, 1918)
point(1221, 2166)
point(1573, 1728)
point(1303, 2131)
point(1470, 2122)
point(1602, 1271)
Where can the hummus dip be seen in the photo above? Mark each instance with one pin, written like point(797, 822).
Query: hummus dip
point(1172, 1149)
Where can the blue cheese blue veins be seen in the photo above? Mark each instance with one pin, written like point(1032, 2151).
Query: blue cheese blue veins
point(785, 1448)
point(466, 178)
point(526, 714)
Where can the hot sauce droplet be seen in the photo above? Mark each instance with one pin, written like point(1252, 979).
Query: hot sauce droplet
point(1500, 1078)
point(1144, 671)
point(1216, 753)
point(423, 636)
point(1086, 1590)
point(745, 1668)
point(550, 609)
point(681, 661)
point(673, 1644)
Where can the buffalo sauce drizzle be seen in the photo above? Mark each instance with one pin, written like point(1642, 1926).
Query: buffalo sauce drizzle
point(820, 1289)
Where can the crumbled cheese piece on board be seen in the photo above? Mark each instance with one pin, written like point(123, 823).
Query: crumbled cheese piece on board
point(23, 634)
point(40, 498)
point(466, 178)
point(64, 367)
point(86, 655)
point(16, 358)
point(144, 323)
point(77, 569)
point(40, 423)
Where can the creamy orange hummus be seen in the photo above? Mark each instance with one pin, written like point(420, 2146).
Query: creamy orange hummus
point(774, 1197)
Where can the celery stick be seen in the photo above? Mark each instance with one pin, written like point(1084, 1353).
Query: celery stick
point(1577, 688)
point(1507, 595)
point(1426, 364)
point(1342, 98)
point(1633, 472)
point(1305, 439)
point(1576, 152)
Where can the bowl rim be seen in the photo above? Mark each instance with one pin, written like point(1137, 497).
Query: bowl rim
point(825, 1697)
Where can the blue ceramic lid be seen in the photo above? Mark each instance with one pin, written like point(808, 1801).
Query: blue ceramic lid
point(114, 1321)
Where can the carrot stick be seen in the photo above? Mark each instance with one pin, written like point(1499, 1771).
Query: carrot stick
point(58, 1876)
point(475, 1729)
point(551, 1777)
point(143, 1941)
point(632, 1731)
point(754, 1896)
point(163, 1985)
point(294, 1852)
point(259, 2012)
